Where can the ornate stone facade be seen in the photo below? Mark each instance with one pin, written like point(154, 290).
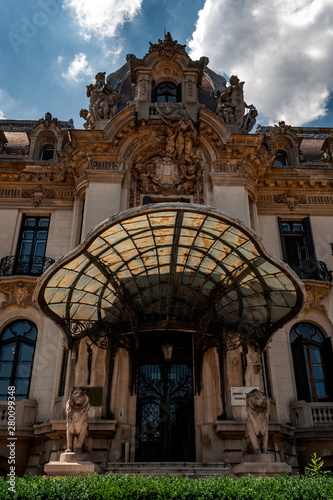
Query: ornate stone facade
point(165, 128)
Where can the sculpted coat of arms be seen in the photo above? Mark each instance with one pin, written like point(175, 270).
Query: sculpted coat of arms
point(178, 170)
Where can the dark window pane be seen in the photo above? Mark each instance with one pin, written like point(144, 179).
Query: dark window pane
point(8, 334)
point(5, 369)
point(30, 222)
point(21, 327)
point(26, 352)
point(21, 386)
point(321, 389)
point(4, 384)
point(318, 372)
point(28, 235)
point(305, 330)
point(47, 154)
point(23, 370)
point(315, 355)
point(7, 352)
point(317, 338)
point(44, 222)
point(26, 248)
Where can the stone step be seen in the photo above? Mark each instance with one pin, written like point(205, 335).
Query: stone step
point(189, 469)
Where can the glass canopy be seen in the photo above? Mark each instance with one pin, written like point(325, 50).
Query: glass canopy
point(172, 262)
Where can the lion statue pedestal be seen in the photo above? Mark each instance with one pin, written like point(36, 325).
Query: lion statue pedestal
point(76, 458)
point(256, 459)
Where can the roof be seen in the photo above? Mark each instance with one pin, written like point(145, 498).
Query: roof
point(312, 149)
point(16, 142)
point(172, 261)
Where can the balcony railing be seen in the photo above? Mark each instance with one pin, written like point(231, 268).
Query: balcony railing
point(311, 415)
point(26, 265)
point(311, 269)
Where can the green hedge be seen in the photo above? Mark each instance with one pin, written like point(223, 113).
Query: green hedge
point(121, 487)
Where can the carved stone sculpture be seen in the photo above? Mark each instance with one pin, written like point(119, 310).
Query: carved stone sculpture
point(225, 110)
point(103, 102)
point(252, 374)
point(232, 106)
point(256, 429)
point(77, 408)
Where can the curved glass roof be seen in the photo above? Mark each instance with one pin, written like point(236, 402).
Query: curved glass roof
point(172, 261)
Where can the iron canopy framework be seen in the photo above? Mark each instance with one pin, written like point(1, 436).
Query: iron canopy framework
point(170, 266)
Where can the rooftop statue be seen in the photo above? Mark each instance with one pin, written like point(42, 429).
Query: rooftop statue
point(232, 106)
point(103, 102)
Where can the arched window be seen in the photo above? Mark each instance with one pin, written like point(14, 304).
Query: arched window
point(312, 357)
point(281, 158)
point(47, 153)
point(167, 92)
point(17, 347)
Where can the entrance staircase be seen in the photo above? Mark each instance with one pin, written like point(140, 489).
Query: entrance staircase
point(192, 470)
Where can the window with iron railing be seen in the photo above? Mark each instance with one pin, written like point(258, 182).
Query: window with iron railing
point(299, 252)
point(30, 255)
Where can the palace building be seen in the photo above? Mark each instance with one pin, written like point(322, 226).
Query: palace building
point(168, 258)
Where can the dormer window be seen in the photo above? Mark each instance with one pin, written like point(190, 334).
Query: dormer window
point(281, 159)
point(47, 153)
point(167, 92)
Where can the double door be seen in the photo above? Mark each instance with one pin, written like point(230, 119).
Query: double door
point(165, 413)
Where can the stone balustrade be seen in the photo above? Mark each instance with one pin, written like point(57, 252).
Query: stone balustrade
point(311, 415)
point(25, 413)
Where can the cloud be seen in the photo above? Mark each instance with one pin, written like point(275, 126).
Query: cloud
point(77, 69)
point(282, 49)
point(7, 103)
point(102, 17)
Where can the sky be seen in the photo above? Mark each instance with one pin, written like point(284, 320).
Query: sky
point(282, 49)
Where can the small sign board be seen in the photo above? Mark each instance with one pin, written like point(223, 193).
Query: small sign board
point(95, 395)
point(238, 395)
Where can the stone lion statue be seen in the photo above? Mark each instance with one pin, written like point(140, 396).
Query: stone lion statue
point(77, 408)
point(256, 429)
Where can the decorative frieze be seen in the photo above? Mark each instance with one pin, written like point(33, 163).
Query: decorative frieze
point(229, 168)
point(305, 199)
point(104, 165)
point(37, 194)
point(290, 199)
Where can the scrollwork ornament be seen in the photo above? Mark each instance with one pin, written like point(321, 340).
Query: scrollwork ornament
point(102, 334)
point(231, 339)
point(77, 329)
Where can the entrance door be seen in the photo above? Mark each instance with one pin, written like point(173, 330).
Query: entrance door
point(165, 412)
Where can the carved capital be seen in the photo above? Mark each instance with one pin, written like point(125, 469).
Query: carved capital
point(17, 293)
